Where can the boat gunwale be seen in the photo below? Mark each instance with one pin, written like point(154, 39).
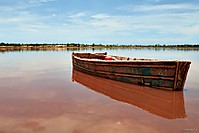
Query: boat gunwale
point(132, 60)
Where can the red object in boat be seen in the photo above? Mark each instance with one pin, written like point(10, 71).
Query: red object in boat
point(108, 58)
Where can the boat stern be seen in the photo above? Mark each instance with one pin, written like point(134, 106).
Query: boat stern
point(182, 68)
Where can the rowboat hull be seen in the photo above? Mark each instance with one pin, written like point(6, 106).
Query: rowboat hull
point(165, 104)
point(169, 75)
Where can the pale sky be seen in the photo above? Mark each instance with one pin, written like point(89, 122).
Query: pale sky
point(100, 21)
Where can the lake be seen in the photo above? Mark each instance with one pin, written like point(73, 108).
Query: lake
point(40, 92)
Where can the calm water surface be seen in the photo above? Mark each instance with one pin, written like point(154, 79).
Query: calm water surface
point(40, 92)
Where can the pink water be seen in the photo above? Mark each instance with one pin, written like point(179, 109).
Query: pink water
point(38, 94)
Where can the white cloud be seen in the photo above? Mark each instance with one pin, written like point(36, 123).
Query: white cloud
point(47, 0)
point(160, 7)
point(183, 20)
point(40, 1)
point(13, 8)
point(155, 0)
point(23, 5)
point(100, 16)
point(78, 15)
point(167, 7)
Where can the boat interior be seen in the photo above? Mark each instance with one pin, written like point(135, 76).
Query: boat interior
point(104, 56)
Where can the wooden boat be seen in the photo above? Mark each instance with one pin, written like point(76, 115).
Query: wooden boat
point(161, 74)
point(165, 104)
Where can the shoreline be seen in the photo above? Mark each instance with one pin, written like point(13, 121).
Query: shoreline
point(5, 47)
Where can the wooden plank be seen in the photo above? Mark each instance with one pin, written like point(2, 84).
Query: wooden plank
point(132, 64)
point(128, 75)
point(131, 70)
point(135, 79)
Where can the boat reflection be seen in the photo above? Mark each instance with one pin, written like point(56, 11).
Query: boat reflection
point(166, 104)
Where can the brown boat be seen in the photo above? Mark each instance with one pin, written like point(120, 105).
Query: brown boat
point(166, 104)
point(161, 74)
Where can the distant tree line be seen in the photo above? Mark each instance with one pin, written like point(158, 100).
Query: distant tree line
point(2, 44)
point(177, 45)
point(40, 45)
